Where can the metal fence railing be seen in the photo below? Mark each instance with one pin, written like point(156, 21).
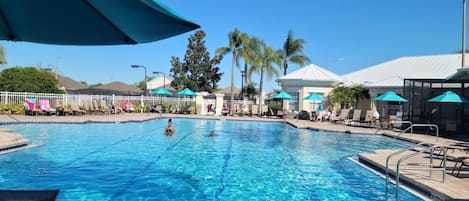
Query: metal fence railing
point(8, 98)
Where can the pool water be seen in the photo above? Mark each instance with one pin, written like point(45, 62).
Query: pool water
point(246, 160)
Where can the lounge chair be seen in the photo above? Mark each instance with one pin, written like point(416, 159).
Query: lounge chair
point(343, 115)
point(368, 118)
point(76, 110)
point(105, 107)
point(127, 106)
point(356, 118)
point(45, 107)
point(30, 107)
point(254, 110)
point(62, 109)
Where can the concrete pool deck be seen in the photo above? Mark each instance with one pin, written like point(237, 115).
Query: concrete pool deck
point(455, 188)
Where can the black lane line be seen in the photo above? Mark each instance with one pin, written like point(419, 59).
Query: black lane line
point(223, 170)
point(148, 165)
point(98, 150)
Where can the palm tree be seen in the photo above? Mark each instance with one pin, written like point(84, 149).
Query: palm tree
point(235, 43)
point(263, 64)
point(293, 52)
point(248, 52)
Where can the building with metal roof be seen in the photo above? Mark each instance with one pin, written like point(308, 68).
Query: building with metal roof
point(306, 80)
point(390, 75)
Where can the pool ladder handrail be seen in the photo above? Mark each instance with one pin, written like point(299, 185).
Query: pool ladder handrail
point(397, 122)
point(426, 147)
point(411, 127)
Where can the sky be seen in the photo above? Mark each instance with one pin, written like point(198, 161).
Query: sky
point(342, 36)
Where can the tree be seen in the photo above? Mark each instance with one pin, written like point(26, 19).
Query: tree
point(293, 52)
point(141, 84)
point(3, 59)
point(235, 39)
point(344, 96)
point(249, 90)
point(263, 64)
point(83, 83)
point(198, 72)
point(248, 51)
point(28, 79)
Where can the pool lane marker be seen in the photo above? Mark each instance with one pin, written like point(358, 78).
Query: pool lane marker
point(226, 159)
point(148, 165)
point(98, 150)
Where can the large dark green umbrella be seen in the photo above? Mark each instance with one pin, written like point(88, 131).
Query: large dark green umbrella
point(449, 97)
point(390, 96)
point(282, 95)
point(89, 22)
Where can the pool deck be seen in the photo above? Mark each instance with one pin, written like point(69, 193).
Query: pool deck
point(454, 188)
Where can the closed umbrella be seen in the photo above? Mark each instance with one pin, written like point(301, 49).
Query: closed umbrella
point(89, 22)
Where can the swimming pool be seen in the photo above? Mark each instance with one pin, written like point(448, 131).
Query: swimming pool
point(246, 160)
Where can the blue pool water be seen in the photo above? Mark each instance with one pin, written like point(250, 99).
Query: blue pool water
point(244, 161)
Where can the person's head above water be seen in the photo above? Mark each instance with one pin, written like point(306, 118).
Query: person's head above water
point(170, 120)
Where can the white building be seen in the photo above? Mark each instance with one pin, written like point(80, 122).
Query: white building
point(306, 80)
point(390, 75)
point(158, 82)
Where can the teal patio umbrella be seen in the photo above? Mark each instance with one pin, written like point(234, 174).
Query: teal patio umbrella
point(282, 95)
point(390, 96)
point(448, 97)
point(314, 97)
point(89, 22)
point(186, 92)
point(161, 92)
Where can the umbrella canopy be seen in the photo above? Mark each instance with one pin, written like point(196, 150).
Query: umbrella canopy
point(161, 91)
point(89, 22)
point(282, 95)
point(390, 96)
point(314, 97)
point(448, 97)
point(186, 92)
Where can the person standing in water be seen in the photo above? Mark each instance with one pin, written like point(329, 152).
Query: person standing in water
point(169, 130)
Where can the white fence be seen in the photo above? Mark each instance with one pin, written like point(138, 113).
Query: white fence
point(81, 99)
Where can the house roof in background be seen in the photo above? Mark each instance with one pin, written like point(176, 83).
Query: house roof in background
point(311, 72)
point(393, 72)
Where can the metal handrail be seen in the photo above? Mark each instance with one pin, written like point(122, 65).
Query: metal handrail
point(423, 125)
point(404, 122)
point(431, 162)
point(386, 170)
point(427, 148)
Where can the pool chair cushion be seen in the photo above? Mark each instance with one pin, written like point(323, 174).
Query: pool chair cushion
point(29, 195)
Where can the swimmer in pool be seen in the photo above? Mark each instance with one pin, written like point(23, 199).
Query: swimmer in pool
point(169, 130)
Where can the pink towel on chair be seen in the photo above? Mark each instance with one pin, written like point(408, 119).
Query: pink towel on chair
point(31, 105)
point(45, 106)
